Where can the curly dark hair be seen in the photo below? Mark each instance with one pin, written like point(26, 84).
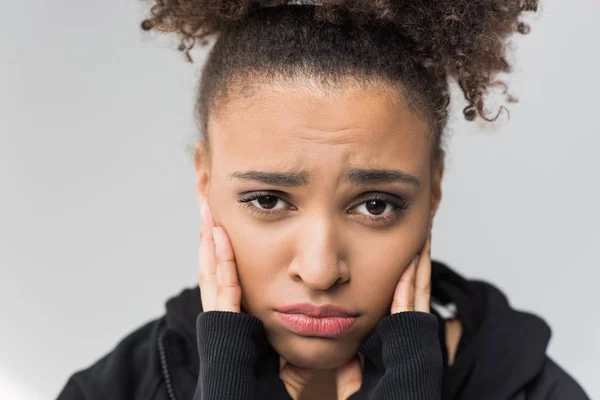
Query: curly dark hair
point(416, 44)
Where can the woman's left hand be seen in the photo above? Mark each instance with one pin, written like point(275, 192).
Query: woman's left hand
point(412, 293)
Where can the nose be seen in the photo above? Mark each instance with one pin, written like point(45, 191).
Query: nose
point(319, 261)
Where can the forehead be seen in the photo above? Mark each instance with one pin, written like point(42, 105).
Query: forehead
point(288, 125)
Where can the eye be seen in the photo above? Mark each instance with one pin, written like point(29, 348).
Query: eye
point(263, 203)
point(376, 207)
point(379, 208)
point(382, 209)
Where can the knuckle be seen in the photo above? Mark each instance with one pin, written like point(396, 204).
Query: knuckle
point(205, 237)
point(425, 288)
point(228, 259)
point(205, 277)
point(405, 305)
point(228, 288)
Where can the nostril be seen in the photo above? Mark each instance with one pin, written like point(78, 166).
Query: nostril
point(339, 281)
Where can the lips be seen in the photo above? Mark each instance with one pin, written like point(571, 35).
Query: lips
point(318, 311)
point(323, 321)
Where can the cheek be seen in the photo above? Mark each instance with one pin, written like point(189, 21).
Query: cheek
point(259, 262)
point(378, 264)
point(376, 283)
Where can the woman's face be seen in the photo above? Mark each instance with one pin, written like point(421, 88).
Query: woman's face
point(348, 194)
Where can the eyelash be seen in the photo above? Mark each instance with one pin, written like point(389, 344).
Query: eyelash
point(400, 206)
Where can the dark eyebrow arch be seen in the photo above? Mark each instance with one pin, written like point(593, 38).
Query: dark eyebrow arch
point(371, 176)
point(360, 177)
point(291, 179)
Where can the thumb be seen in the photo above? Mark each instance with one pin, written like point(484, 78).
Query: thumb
point(294, 378)
point(348, 378)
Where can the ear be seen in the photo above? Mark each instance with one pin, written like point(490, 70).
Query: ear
point(202, 167)
point(437, 174)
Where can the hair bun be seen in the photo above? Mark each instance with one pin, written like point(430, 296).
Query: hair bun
point(463, 39)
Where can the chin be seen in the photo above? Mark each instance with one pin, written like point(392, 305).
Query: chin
point(315, 353)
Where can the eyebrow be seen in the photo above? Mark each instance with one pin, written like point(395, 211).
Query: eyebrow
point(360, 177)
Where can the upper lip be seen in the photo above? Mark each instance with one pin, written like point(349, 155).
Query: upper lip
point(324, 311)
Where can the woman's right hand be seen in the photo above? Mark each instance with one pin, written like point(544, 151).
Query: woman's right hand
point(220, 288)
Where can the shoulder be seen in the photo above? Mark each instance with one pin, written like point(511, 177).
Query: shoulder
point(129, 371)
point(509, 346)
point(554, 383)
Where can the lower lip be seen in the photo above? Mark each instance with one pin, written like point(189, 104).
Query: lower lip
point(324, 327)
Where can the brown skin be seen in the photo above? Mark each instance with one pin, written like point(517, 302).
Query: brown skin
point(320, 244)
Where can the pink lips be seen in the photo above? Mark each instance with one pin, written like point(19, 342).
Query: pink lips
point(325, 321)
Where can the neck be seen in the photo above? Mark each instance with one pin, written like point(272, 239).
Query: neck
point(321, 386)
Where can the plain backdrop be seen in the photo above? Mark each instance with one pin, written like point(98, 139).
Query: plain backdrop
point(98, 213)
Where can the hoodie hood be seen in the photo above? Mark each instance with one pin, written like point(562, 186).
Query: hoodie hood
point(501, 349)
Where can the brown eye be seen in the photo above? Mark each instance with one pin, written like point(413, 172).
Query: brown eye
point(267, 202)
point(376, 207)
point(381, 209)
point(264, 203)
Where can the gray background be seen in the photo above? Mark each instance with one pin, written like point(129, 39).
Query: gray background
point(98, 217)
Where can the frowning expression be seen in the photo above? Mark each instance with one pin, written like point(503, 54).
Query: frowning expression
point(326, 195)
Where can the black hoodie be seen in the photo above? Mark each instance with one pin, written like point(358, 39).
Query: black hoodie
point(501, 354)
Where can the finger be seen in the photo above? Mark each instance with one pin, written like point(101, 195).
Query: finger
point(423, 278)
point(404, 295)
point(229, 292)
point(295, 378)
point(206, 259)
point(282, 363)
point(348, 378)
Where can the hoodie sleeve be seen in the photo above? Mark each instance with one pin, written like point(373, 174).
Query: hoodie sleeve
point(403, 359)
point(236, 359)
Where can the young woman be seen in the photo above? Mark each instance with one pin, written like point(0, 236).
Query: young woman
point(319, 169)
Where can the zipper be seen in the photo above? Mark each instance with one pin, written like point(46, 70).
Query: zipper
point(165, 366)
